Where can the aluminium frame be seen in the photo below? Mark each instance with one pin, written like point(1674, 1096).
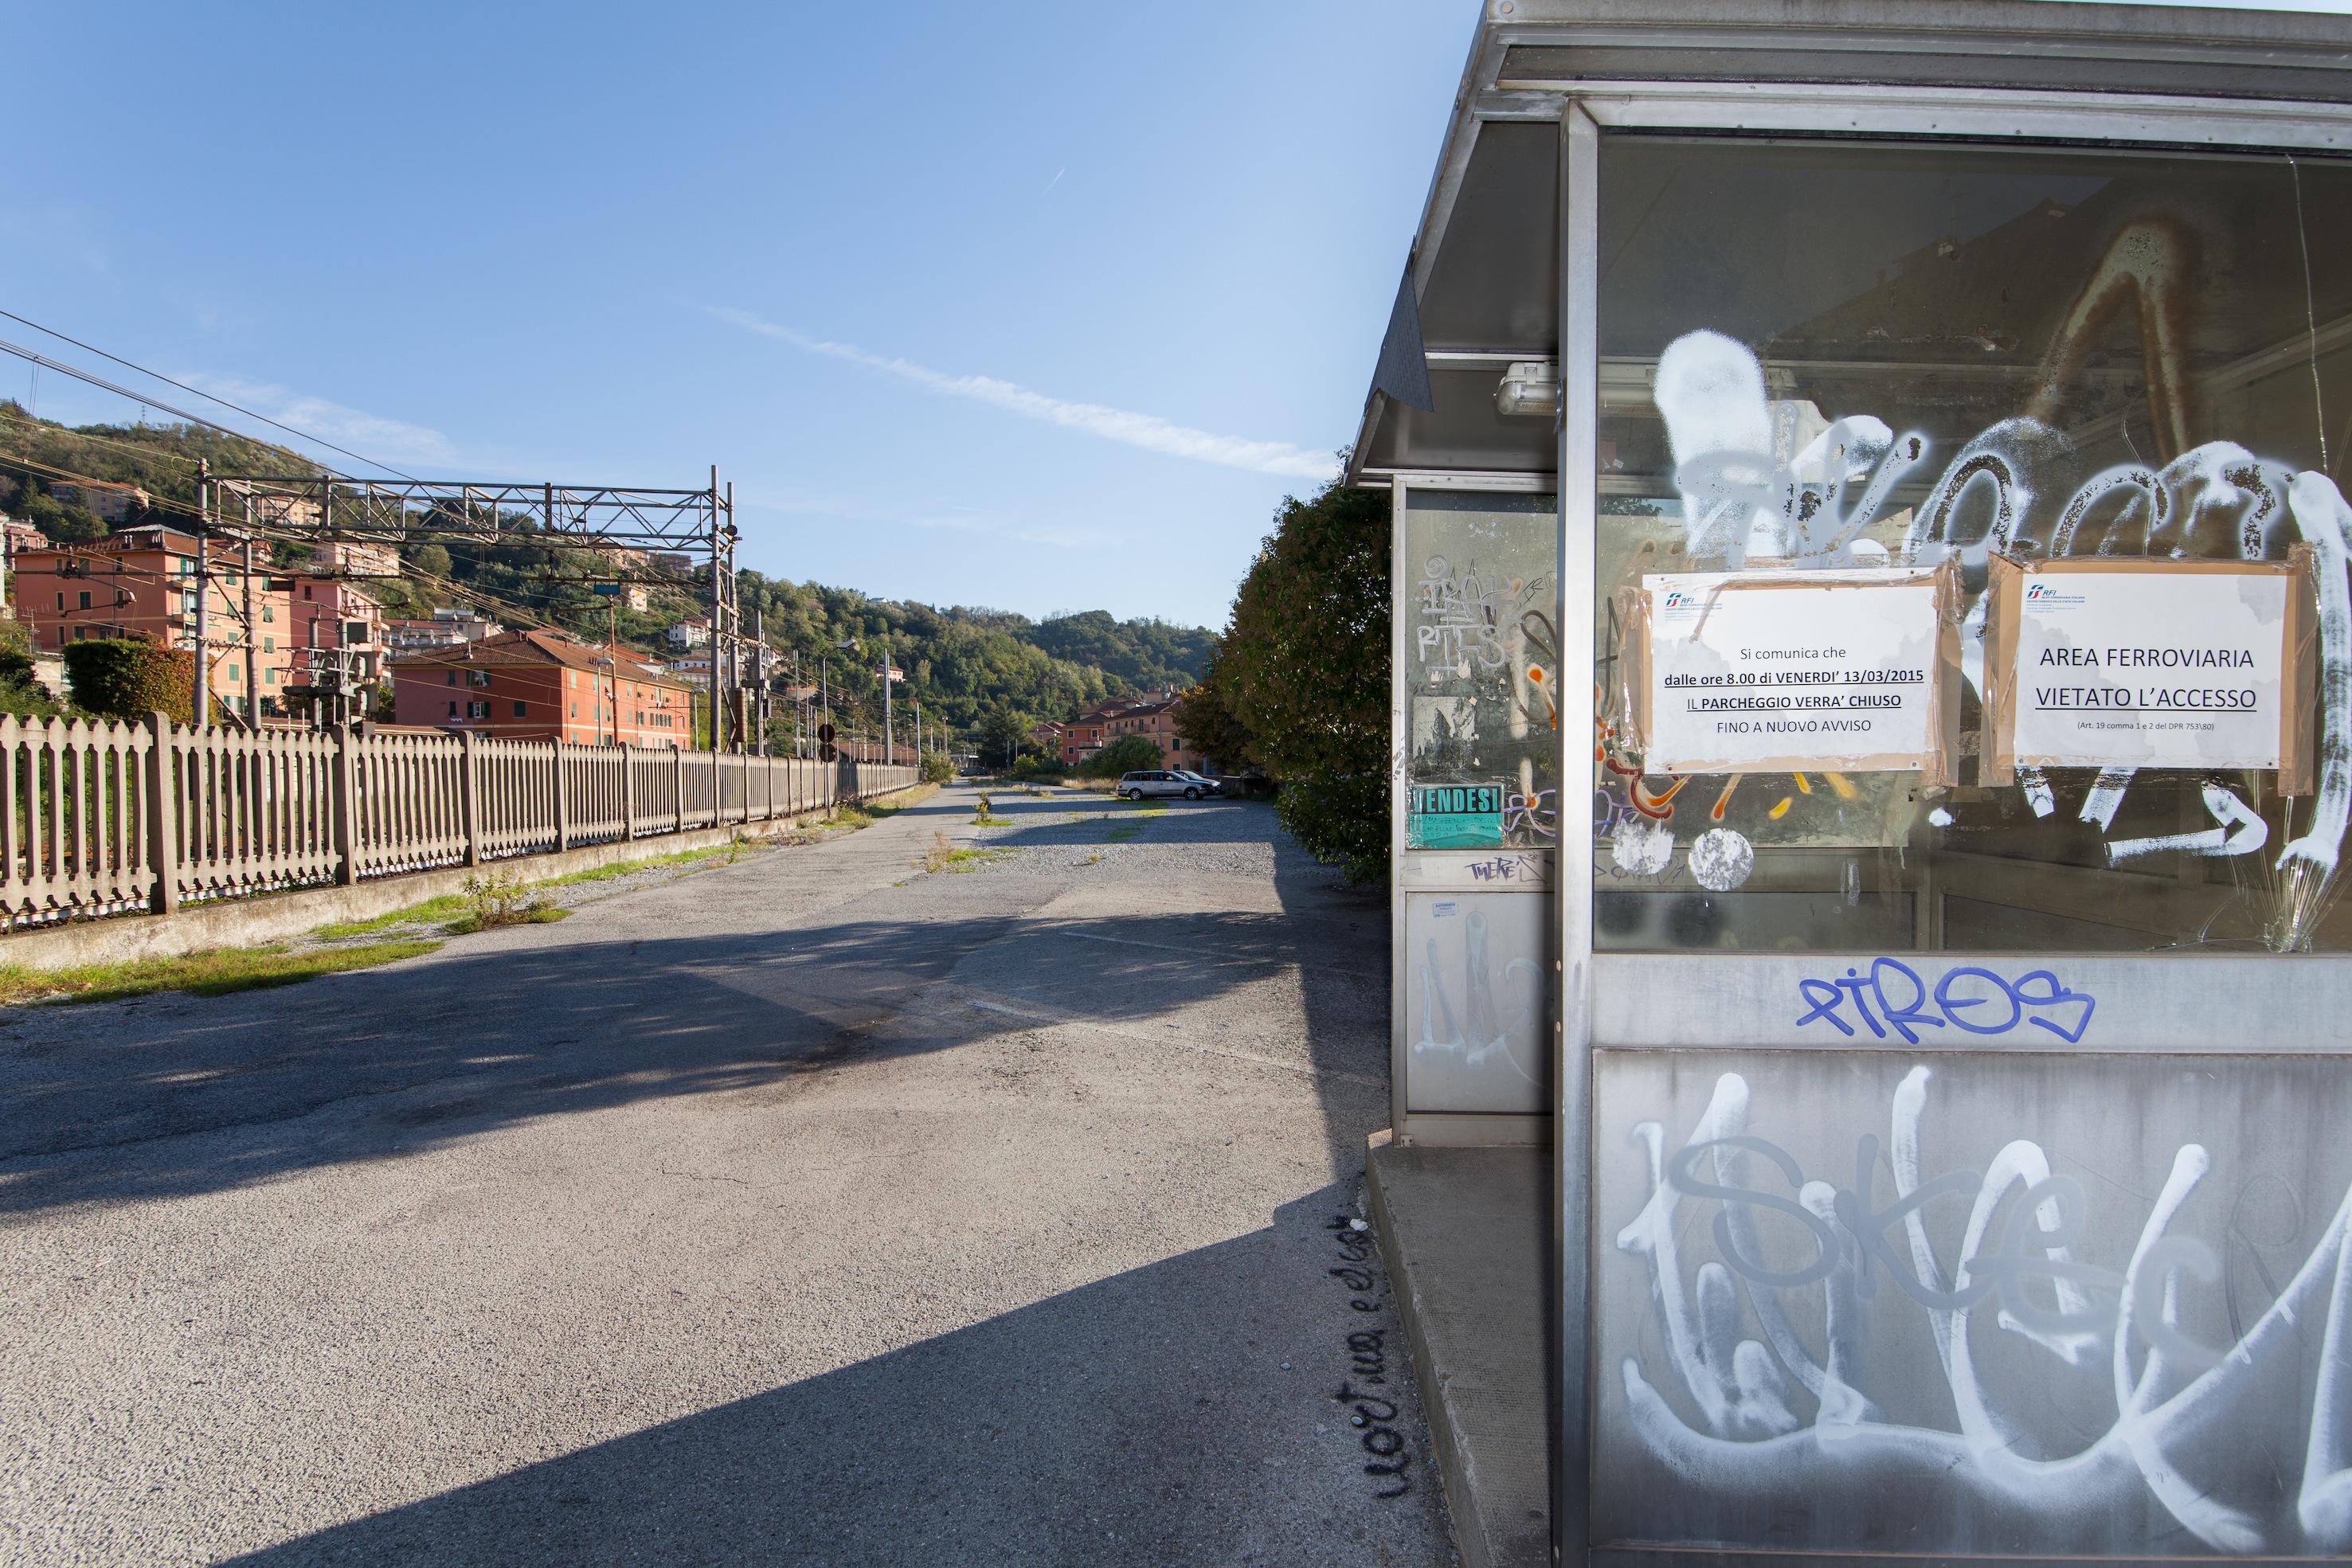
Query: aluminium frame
point(1617, 999)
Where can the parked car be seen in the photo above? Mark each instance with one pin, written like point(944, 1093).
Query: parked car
point(1208, 785)
point(1161, 781)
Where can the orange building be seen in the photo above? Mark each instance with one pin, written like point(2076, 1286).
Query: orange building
point(142, 582)
point(1153, 717)
point(542, 686)
point(1090, 731)
point(332, 626)
point(1155, 720)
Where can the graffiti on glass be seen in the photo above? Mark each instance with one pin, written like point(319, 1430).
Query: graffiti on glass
point(1851, 1253)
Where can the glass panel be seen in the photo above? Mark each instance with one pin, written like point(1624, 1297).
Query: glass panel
point(1479, 602)
point(1482, 661)
point(1830, 358)
point(1771, 1384)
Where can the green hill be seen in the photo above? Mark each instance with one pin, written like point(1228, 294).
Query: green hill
point(962, 664)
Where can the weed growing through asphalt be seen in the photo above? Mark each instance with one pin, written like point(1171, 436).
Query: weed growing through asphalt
point(940, 855)
point(212, 973)
point(503, 898)
point(944, 856)
point(973, 860)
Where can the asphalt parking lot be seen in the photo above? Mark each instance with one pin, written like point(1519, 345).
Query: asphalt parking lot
point(813, 1208)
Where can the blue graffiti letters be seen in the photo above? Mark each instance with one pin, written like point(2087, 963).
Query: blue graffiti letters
point(1971, 998)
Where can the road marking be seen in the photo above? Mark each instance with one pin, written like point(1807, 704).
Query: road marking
point(971, 998)
point(1195, 952)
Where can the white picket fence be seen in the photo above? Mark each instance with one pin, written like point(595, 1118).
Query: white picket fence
point(107, 819)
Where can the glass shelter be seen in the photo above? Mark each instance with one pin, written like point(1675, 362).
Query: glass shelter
point(1918, 927)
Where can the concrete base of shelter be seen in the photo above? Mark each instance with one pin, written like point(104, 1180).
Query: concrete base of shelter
point(1467, 1234)
point(273, 918)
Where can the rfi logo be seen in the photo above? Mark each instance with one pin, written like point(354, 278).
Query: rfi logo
point(2038, 591)
point(1675, 598)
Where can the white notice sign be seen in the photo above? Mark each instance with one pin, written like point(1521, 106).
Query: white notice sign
point(2143, 665)
point(1763, 671)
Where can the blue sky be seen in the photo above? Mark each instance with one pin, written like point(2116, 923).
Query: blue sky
point(1034, 306)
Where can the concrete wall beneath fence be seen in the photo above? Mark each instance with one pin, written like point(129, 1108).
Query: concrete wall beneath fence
point(273, 918)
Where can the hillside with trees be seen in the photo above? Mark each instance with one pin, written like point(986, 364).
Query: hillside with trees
point(964, 665)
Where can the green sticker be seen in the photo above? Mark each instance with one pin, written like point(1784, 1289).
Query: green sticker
point(1454, 817)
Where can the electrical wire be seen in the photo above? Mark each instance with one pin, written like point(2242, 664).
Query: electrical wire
point(47, 363)
point(184, 386)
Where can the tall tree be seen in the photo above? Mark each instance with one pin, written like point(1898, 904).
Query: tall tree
point(1305, 667)
point(1204, 717)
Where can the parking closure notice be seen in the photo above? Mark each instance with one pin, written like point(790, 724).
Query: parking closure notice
point(1753, 671)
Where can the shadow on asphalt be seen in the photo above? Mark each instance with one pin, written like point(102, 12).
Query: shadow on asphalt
point(1145, 1418)
point(458, 1044)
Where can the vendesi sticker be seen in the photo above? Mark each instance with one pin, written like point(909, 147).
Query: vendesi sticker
point(1454, 817)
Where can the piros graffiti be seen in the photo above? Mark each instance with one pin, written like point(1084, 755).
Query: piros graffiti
point(2043, 1400)
point(1969, 998)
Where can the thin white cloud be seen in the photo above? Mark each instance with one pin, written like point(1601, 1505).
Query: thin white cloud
point(1147, 431)
point(370, 435)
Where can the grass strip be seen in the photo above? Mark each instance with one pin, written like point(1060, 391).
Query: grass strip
point(441, 908)
point(1121, 832)
point(214, 974)
point(453, 907)
point(606, 872)
point(970, 860)
point(907, 805)
point(467, 925)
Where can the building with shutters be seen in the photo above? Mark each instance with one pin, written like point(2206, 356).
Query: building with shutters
point(540, 685)
point(142, 584)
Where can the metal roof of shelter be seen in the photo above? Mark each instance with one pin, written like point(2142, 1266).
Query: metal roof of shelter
point(1484, 269)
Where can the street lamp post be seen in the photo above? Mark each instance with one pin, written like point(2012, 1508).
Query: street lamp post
point(849, 643)
point(888, 729)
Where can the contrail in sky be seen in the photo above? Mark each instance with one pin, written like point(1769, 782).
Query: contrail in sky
point(1147, 431)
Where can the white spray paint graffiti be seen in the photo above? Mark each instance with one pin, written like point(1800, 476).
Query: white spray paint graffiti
point(1740, 493)
point(1460, 621)
point(2178, 1404)
point(2241, 832)
point(2322, 517)
point(1745, 484)
point(1480, 1040)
